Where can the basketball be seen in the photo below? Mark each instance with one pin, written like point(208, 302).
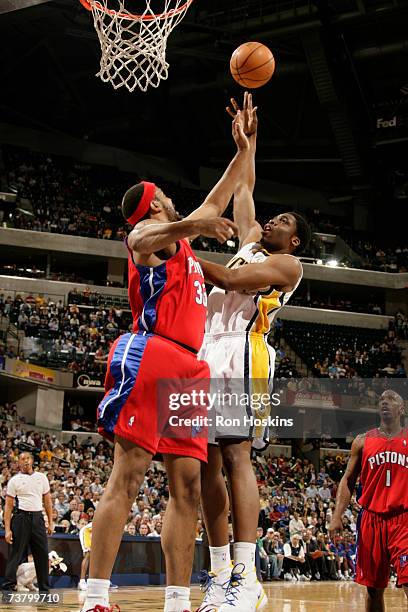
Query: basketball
point(252, 65)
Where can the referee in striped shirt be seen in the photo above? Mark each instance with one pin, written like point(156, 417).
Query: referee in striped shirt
point(24, 524)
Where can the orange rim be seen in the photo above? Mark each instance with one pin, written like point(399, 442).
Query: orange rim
point(95, 4)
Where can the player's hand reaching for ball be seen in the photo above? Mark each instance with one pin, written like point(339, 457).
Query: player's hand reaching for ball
point(220, 228)
point(336, 526)
point(249, 115)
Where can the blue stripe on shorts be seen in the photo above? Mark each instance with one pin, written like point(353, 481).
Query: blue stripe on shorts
point(124, 368)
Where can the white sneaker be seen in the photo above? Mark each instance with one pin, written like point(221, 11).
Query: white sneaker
point(213, 585)
point(82, 585)
point(243, 593)
point(288, 577)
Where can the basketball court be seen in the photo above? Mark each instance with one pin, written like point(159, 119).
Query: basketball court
point(284, 597)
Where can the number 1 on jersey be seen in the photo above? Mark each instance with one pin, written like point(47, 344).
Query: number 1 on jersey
point(388, 478)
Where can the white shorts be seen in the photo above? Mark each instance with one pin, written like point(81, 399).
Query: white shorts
point(240, 364)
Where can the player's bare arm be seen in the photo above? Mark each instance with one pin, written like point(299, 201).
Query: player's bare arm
point(154, 240)
point(249, 230)
point(280, 271)
point(150, 238)
point(219, 197)
point(347, 484)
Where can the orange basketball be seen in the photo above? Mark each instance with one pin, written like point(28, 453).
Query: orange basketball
point(252, 65)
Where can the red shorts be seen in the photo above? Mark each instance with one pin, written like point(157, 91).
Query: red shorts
point(133, 406)
point(382, 542)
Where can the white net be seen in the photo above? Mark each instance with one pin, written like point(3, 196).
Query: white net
point(134, 46)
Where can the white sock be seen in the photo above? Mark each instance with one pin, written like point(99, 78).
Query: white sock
point(220, 557)
point(244, 552)
point(97, 593)
point(177, 599)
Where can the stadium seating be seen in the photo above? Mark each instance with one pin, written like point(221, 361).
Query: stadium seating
point(345, 351)
point(61, 195)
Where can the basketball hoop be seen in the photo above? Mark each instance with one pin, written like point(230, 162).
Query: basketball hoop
point(134, 46)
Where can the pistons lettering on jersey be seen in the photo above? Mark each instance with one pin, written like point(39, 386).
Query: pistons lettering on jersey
point(194, 267)
point(388, 457)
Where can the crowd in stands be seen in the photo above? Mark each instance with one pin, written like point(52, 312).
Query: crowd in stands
point(391, 259)
point(8, 412)
point(345, 352)
point(67, 197)
point(401, 325)
point(32, 271)
point(284, 366)
point(63, 196)
point(296, 508)
point(296, 500)
point(333, 303)
point(372, 254)
point(87, 297)
point(70, 336)
point(77, 337)
point(60, 195)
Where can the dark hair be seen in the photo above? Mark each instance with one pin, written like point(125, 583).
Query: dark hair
point(303, 232)
point(131, 200)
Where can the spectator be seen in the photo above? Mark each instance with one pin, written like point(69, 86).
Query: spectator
point(156, 532)
point(296, 526)
point(61, 505)
point(144, 530)
point(294, 561)
point(262, 560)
point(324, 492)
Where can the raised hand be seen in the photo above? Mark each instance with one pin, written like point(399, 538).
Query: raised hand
point(250, 118)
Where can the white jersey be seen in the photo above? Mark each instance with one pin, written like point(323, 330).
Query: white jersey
point(28, 489)
point(233, 311)
point(236, 349)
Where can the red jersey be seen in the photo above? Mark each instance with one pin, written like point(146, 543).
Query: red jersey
point(384, 472)
point(170, 300)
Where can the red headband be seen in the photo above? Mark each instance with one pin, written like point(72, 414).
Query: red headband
point(144, 204)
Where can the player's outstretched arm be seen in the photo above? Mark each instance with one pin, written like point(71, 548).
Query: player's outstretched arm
point(249, 229)
point(150, 236)
point(347, 484)
point(219, 197)
point(278, 271)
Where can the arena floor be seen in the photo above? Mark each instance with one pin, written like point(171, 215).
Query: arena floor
point(284, 597)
